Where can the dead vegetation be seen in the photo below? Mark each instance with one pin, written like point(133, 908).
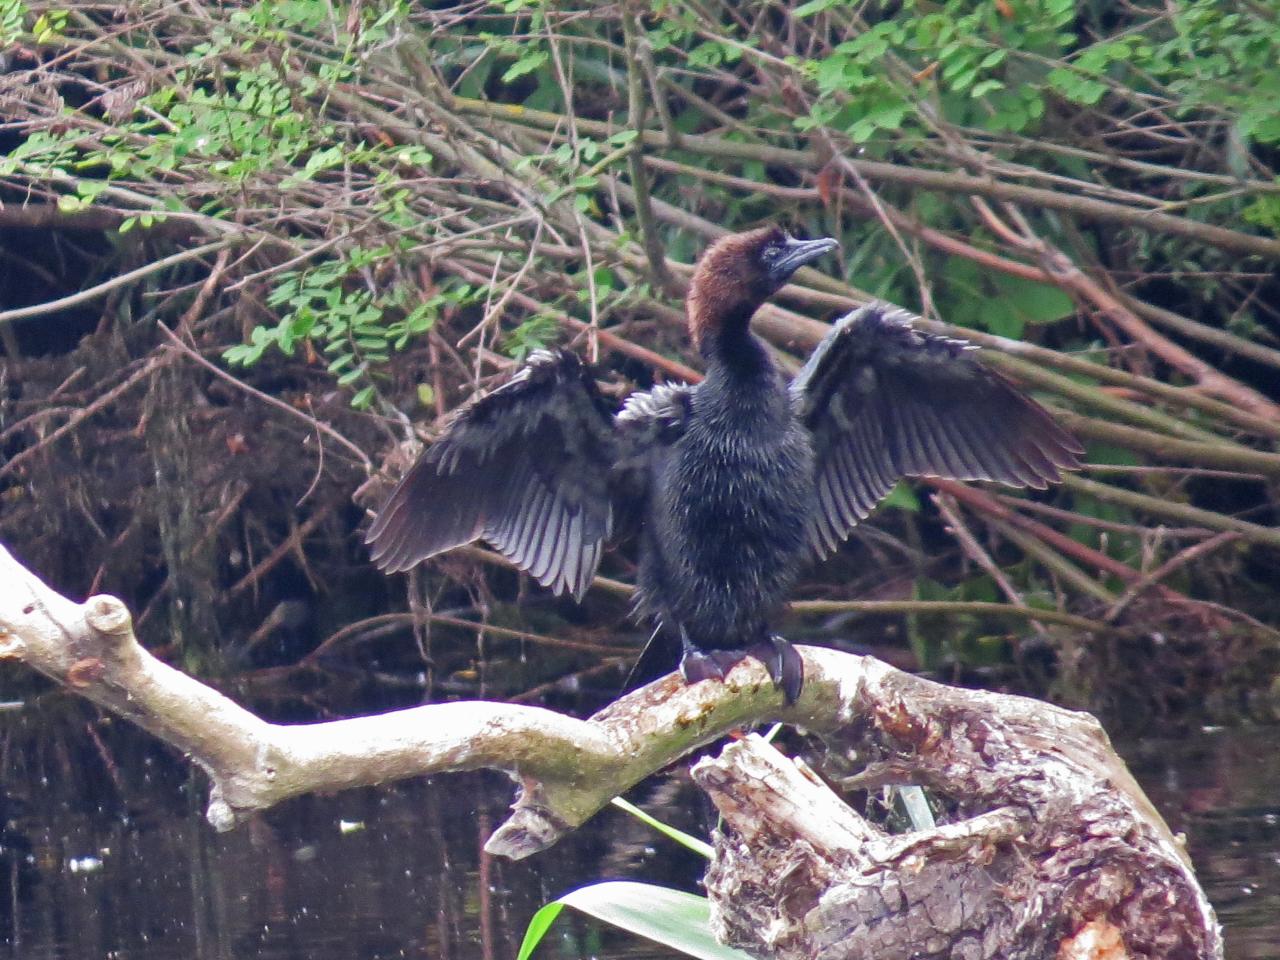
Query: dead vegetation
point(388, 206)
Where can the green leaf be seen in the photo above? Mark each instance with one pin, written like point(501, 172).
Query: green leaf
point(902, 497)
point(538, 927)
point(88, 190)
point(672, 918)
point(993, 58)
point(679, 836)
point(812, 7)
point(1033, 302)
point(1001, 319)
point(242, 354)
point(527, 63)
point(1265, 212)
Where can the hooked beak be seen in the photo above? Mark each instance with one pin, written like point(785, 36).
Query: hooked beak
point(796, 254)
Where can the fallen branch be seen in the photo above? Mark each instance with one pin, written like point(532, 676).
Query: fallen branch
point(567, 769)
point(1051, 842)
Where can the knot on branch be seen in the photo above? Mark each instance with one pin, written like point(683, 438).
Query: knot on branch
point(528, 830)
point(109, 618)
point(220, 814)
point(11, 646)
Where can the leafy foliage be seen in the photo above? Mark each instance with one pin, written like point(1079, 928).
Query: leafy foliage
point(672, 918)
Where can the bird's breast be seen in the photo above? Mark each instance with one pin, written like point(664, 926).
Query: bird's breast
point(739, 493)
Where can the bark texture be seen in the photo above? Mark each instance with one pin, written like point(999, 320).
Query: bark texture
point(1049, 847)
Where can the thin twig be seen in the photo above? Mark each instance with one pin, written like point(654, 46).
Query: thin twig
point(968, 542)
point(154, 363)
point(115, 283)
point(315, 424)
point(1179, 559)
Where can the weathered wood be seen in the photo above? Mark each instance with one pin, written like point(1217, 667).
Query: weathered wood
point(1051, 849)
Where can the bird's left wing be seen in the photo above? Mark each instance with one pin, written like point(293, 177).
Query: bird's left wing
point(525, 467)
point(883, 401)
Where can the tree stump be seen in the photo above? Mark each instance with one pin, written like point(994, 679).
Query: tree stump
point(1049, 848)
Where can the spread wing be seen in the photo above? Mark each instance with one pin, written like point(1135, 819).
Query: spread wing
point(883, 401)
point(525, 467)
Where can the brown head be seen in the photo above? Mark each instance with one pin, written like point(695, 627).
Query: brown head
point(739, 272)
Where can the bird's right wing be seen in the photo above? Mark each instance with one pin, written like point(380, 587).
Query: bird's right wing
point(525, 467)
point(884, 401)
point(651, 421)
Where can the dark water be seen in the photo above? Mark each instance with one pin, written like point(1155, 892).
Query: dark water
point(105, 854)
point(1221, 788)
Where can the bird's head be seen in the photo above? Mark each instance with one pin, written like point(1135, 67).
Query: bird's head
point(739, 272)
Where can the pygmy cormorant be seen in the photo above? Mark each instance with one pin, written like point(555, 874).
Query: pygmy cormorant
point(733, 484)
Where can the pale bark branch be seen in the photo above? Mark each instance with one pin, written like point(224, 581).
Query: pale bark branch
point(567, 769)
point(1048, 840)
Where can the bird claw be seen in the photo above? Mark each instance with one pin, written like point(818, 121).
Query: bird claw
point(784, 664)
point(779, 657)
point(698, 665)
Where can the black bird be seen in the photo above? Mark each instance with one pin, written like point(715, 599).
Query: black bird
point(734, 483)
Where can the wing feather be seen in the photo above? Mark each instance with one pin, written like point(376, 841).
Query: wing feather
point(538, 527)
point(551, 548)
point(571, 552)
point(950, 459)
point(883, 401)
point(648, 424)
point(527, 467)
point(528, 515)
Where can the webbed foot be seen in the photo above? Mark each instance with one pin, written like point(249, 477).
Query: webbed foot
point(698, 664)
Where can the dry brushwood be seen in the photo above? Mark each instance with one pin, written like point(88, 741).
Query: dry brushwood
point(1052, 848)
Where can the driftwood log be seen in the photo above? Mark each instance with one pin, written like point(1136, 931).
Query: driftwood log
point(1049, 848)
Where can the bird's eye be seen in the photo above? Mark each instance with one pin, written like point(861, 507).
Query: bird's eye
point(771, 253)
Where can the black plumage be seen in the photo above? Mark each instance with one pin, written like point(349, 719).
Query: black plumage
point(525, 468)
point(733, 484)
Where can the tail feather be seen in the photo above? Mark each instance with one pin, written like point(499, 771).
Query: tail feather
point(659, 657)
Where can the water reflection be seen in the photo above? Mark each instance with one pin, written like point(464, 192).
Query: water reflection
point(104, 853)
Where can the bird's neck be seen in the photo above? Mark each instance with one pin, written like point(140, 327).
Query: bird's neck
point(742, 389)
point(729, 347)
